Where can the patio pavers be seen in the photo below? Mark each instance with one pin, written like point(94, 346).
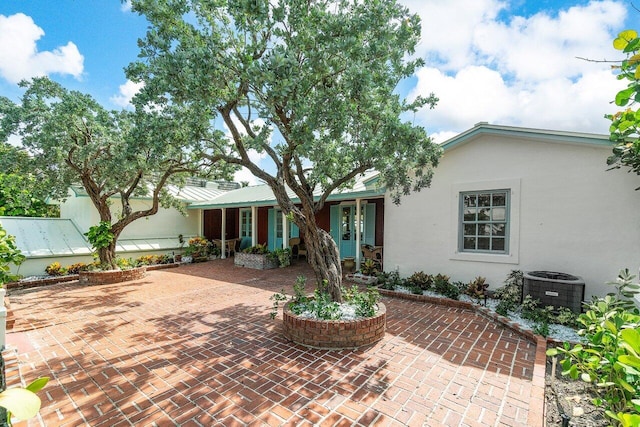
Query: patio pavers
point(194, 346)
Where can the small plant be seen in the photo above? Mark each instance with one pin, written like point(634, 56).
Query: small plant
point(368, 267)
point(23, 403)
point(416, 290)
point(443, 286)
point(9, 254)
point(477, 288)
point(77, 268)
point(55, 269)
point(610, 359)
point(320, 306)
point(124, 263)
point(390, 281)
point(257, 249)
point(145, 260)
point(421, 280)
point(511, 292)
point(198, 247)
point(282, 257)
point(100, 236)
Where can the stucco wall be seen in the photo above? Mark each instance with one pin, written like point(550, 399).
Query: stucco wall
point(568, 213)
point(166, 223)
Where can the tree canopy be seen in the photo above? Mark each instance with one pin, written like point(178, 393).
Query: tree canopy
point(23, 190)
point(114, 155)
point(625, 124)
point(311, 86)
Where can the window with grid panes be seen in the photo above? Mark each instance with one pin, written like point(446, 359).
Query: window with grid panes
point(484, 221)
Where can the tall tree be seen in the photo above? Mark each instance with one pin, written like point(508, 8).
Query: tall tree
point(625, 124)
point(309, 84)
point(22, 189)
point(114, 155)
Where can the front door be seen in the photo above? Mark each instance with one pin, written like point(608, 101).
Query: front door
point(344, 226)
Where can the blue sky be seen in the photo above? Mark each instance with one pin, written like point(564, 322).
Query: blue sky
point(499, 61)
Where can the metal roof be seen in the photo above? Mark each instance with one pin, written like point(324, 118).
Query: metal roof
point(366, 185)
point(46, 237)
point(42, 237)
point(556, 136)
point(187, 194)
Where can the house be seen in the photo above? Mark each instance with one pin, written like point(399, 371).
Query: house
point(503, 198)
point(508, 198)
point(47, 240)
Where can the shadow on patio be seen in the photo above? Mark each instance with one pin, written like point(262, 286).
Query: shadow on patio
point(195, 346)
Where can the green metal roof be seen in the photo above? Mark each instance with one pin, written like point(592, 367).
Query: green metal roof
point(561, 137)
point(366, 185)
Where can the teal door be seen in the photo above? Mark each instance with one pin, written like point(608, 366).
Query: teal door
point(275, 230)
point(344, 227)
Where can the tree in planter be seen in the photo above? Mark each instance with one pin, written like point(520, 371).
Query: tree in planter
point(114, 155)
point(309, 85)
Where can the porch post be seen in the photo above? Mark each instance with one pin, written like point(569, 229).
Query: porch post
point(223, 234)
point(200, 222)
point(285, 231)
point(357, 229)
point(254, 225)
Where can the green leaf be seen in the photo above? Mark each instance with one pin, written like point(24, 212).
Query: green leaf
point(38, 384)
point(624, 38)
point(22, 403)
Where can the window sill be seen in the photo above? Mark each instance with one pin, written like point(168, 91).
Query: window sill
point(483, 257)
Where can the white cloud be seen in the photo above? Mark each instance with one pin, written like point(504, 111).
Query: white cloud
point(523, 71)
point(19, 56)
point(126, 6)
point(127, 92)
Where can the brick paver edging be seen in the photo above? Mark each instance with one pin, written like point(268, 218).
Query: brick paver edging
point(334, 334)
point(535, 415)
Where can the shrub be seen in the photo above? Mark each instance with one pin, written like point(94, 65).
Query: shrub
point(281, 256)
point(368, 267)
point(421, 280)
point(477, 288)
point(55, 269)
point(77, 268)
point(511, 292)
point(145, 260)
point(321, 306)
point(610, 359)
point(443, 286)
point(390, 281)
point(198, 247)
point(257, 249)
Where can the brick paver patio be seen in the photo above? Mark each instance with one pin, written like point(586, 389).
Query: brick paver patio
point(194, 346)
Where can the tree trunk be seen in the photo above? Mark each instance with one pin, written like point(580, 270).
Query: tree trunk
point(107, 256)
point(324, 257)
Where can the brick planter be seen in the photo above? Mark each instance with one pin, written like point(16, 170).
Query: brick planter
point(335, 334)
point(257, 261)
point(111, 276)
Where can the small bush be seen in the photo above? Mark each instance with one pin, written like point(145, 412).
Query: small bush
point(55, 269)
point(146, 260)
point(77, 268)
point(257, 249)
point(421, 280)
point(390, 281)
point(477, 288)
point(443, 286)
point(511, 292)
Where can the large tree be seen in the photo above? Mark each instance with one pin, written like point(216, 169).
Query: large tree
point(22, 189)
point(115, 155)
point(625, 124)
point(309, 84)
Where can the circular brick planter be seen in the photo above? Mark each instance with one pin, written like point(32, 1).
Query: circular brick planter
point(111, 276)
point(334, 334)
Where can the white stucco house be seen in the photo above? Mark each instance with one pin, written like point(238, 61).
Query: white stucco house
point(503, 198)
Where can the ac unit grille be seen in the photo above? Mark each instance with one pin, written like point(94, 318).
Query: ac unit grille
point(556, 289)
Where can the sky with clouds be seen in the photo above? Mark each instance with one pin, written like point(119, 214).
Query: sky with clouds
point(499, 61)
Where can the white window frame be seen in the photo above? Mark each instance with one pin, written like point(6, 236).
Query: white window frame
point(250, 214)
point(513, 211)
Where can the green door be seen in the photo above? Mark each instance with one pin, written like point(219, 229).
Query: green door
point(275, 229)
point(344, 226)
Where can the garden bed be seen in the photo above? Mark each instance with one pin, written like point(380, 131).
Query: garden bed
point(334, 334)
point(111, 276)
point(255, 261)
